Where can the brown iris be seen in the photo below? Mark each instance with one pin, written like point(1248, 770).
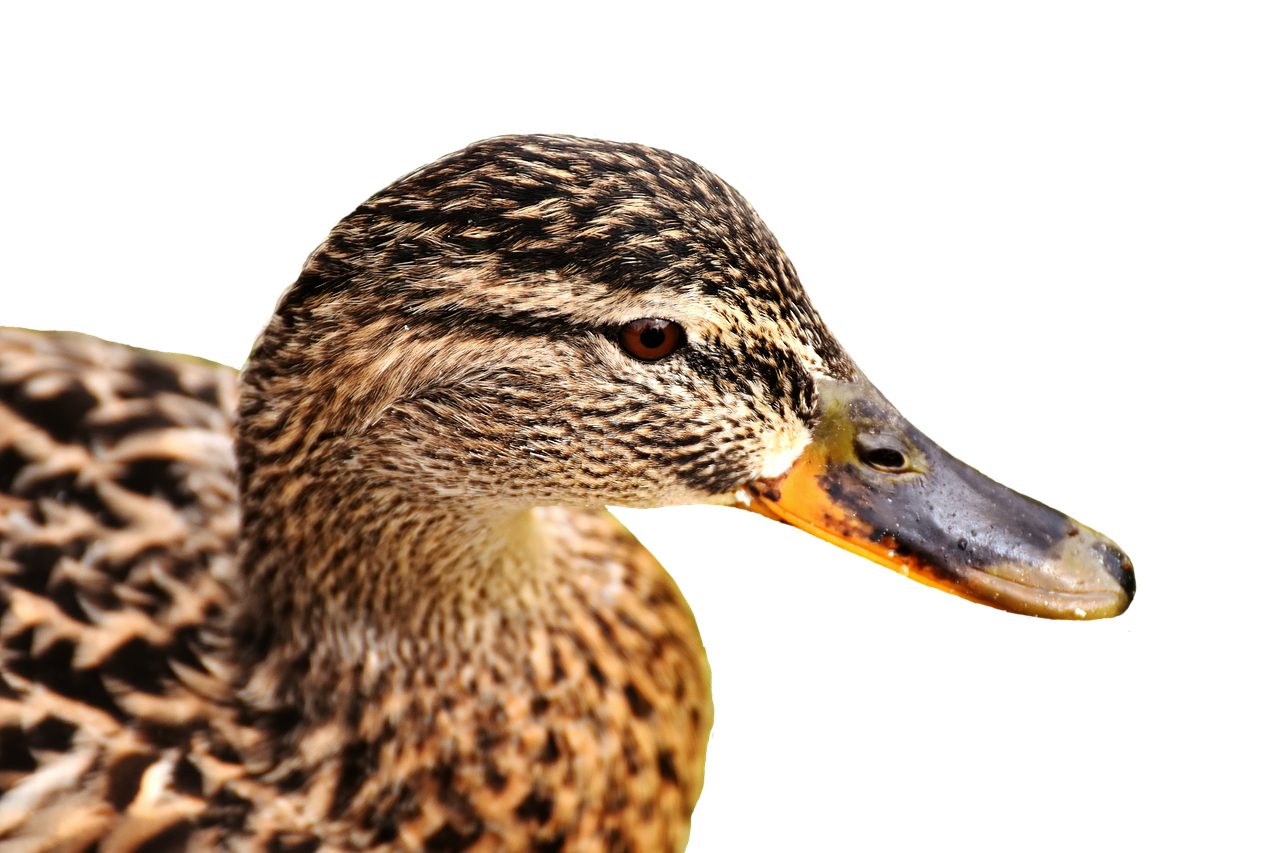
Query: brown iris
point(651, 339)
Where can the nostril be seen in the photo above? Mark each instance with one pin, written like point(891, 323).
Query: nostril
point(884, 457)
point(879, 451)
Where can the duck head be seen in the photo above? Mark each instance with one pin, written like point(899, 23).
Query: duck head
point(546, 320)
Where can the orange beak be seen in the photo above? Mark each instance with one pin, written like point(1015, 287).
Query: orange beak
point(872, 484)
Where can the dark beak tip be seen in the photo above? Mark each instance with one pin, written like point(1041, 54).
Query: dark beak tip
point(1119, 565)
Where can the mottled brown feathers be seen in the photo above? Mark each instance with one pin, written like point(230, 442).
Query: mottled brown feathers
point(117, 531)
point(122, 734)
point(423, 632)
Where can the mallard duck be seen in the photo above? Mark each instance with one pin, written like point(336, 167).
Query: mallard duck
point(396, 615)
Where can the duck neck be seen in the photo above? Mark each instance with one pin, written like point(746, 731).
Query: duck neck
point(376, 588)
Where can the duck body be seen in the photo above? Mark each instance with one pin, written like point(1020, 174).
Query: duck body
point(121, 719)
point(392, 613)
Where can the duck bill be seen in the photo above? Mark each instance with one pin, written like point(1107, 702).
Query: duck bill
point(872, 484)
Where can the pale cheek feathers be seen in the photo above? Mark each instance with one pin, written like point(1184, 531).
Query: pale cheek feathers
point(781, 447)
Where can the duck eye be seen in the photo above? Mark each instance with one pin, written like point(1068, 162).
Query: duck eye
point(651, 339)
